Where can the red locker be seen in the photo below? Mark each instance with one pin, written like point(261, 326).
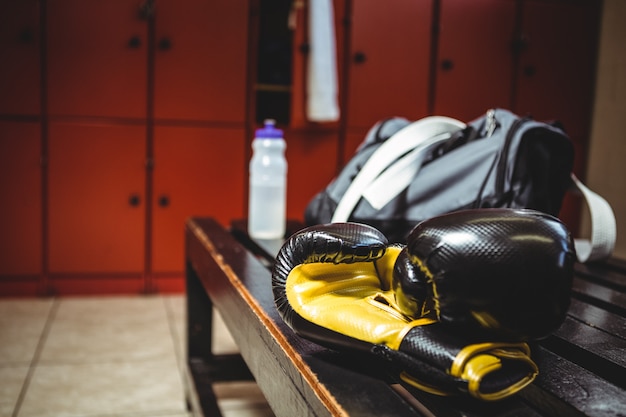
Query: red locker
point(97, 58)
point(97, 180)
point(201, 60)
point(474, 67)
point(389, 68)
point(557, 75)
point(21, 208)
point(20, 74)
point(557, 67)
point(197, 172)
point(312, 159)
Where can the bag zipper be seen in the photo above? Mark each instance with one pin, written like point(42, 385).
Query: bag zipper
point(505, 151)
point(491, 122)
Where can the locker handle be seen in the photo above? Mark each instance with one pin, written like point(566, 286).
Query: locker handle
point(530, 71)
point(134, 200)
point(520, 43)
point(165, 44)
point(164, 201)
point(447, 64)
point(304, 48)
point(359, 57)
point(26, 36)
point(134, 42)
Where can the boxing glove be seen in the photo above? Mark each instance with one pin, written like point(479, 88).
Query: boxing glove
point(333, 284)
point(508, 271)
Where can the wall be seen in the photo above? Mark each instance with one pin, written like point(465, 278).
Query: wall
point(606, 171)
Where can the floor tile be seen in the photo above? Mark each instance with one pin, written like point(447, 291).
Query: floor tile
point(176, 308)
point(107, 357)
point(22, 322)
point(236, 399)
point(185, 414)
point(94, 309)
point(88, 330)
point(25, 308)
point(12, 378)
point(222, 340)
point(240, 394)
point(260, 411)
point(151, 388)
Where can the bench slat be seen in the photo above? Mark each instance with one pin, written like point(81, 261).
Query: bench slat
point(600, 296)
point(602, 274)
point(598, 317)
point(564, 388)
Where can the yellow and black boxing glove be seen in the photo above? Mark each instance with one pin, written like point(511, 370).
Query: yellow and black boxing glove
point(506, 272)
point(334, 284)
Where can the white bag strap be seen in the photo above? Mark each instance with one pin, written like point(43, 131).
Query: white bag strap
point(417, 135)
point(400, 174)
point(603, 226)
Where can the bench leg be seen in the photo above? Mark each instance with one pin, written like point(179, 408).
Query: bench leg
point(205, 368)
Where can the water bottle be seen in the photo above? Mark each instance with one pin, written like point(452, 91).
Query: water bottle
point(268, 184)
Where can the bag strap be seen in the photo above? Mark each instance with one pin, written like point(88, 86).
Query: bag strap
point(603, 226)
point(417, 136)
point(400, 174)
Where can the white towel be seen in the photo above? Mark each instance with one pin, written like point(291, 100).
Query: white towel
point(322, 93)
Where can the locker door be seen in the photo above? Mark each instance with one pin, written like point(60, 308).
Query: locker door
point(556, 76)
point(475, 60)
point(19, 57)
point(312, 164)
point(20, 188)
point(97, 58)
point(96, 198)
point(200, 60)
point(197, 172)
point(557, 67)
point(390, 47)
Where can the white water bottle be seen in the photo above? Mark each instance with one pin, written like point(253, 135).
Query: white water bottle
point(268, 184)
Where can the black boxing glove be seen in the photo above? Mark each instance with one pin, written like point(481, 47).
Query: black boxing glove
point(333, 284)
point(508, 271)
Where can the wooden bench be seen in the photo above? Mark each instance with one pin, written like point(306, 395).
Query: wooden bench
point(582, 366)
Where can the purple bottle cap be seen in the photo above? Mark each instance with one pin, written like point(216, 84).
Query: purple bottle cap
point(269, 131)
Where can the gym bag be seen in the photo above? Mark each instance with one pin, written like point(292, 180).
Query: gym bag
point(404, 173)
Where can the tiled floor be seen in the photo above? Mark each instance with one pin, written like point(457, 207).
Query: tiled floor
point(105, 357)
